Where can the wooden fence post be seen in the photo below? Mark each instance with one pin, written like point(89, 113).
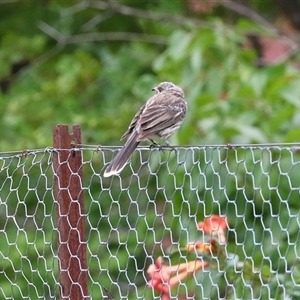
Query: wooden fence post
point(68, 181)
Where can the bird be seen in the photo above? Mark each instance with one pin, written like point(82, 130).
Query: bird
point(160, 117)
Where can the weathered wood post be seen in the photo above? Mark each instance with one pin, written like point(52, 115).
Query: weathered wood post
point(68, 181)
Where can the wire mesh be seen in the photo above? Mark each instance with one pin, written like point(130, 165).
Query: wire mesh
point(219, 222)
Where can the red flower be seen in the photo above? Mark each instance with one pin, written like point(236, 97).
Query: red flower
point(215, 225)
point(163, 278)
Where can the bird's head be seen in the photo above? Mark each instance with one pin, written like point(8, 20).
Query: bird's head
point(163, 86)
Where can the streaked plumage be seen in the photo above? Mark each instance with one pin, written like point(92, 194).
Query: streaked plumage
point(159, 117)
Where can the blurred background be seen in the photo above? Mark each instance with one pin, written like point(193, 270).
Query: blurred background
point(94, 63)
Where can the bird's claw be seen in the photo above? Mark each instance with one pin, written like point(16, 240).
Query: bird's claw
point(157, 146)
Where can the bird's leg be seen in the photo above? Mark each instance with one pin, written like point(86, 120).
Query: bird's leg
point(156, 145)
point(160, 147)
point(153, 144)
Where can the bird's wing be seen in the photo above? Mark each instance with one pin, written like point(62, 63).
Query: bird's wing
point(159, 115)
point(160, 112)
point(133, 123)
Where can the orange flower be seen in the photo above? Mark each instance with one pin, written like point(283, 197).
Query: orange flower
point(163, 278)
point(208, 248)
point(214, 225)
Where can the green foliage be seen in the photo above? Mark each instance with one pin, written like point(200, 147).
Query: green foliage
point(230, 101)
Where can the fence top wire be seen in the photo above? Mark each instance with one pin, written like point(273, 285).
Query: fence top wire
point(77, 147)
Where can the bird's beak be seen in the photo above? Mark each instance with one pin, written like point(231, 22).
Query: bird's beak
point(155, 90)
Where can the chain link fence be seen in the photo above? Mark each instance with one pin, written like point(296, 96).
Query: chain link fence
point(215, 222)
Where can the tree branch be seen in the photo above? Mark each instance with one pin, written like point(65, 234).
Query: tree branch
point(140, 13)
point(75, 8)
point(51, 31)
point(112, 7)
point(269, 27)
point(115, 36)
point(100, 36)
point(250, 14)
point(96, 20)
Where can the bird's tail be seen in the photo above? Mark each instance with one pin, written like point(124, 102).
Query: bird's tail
point(120, 160)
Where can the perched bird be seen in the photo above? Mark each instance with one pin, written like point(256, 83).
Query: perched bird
point(159, 117)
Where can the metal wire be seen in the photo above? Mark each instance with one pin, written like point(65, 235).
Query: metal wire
point(153, 209)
